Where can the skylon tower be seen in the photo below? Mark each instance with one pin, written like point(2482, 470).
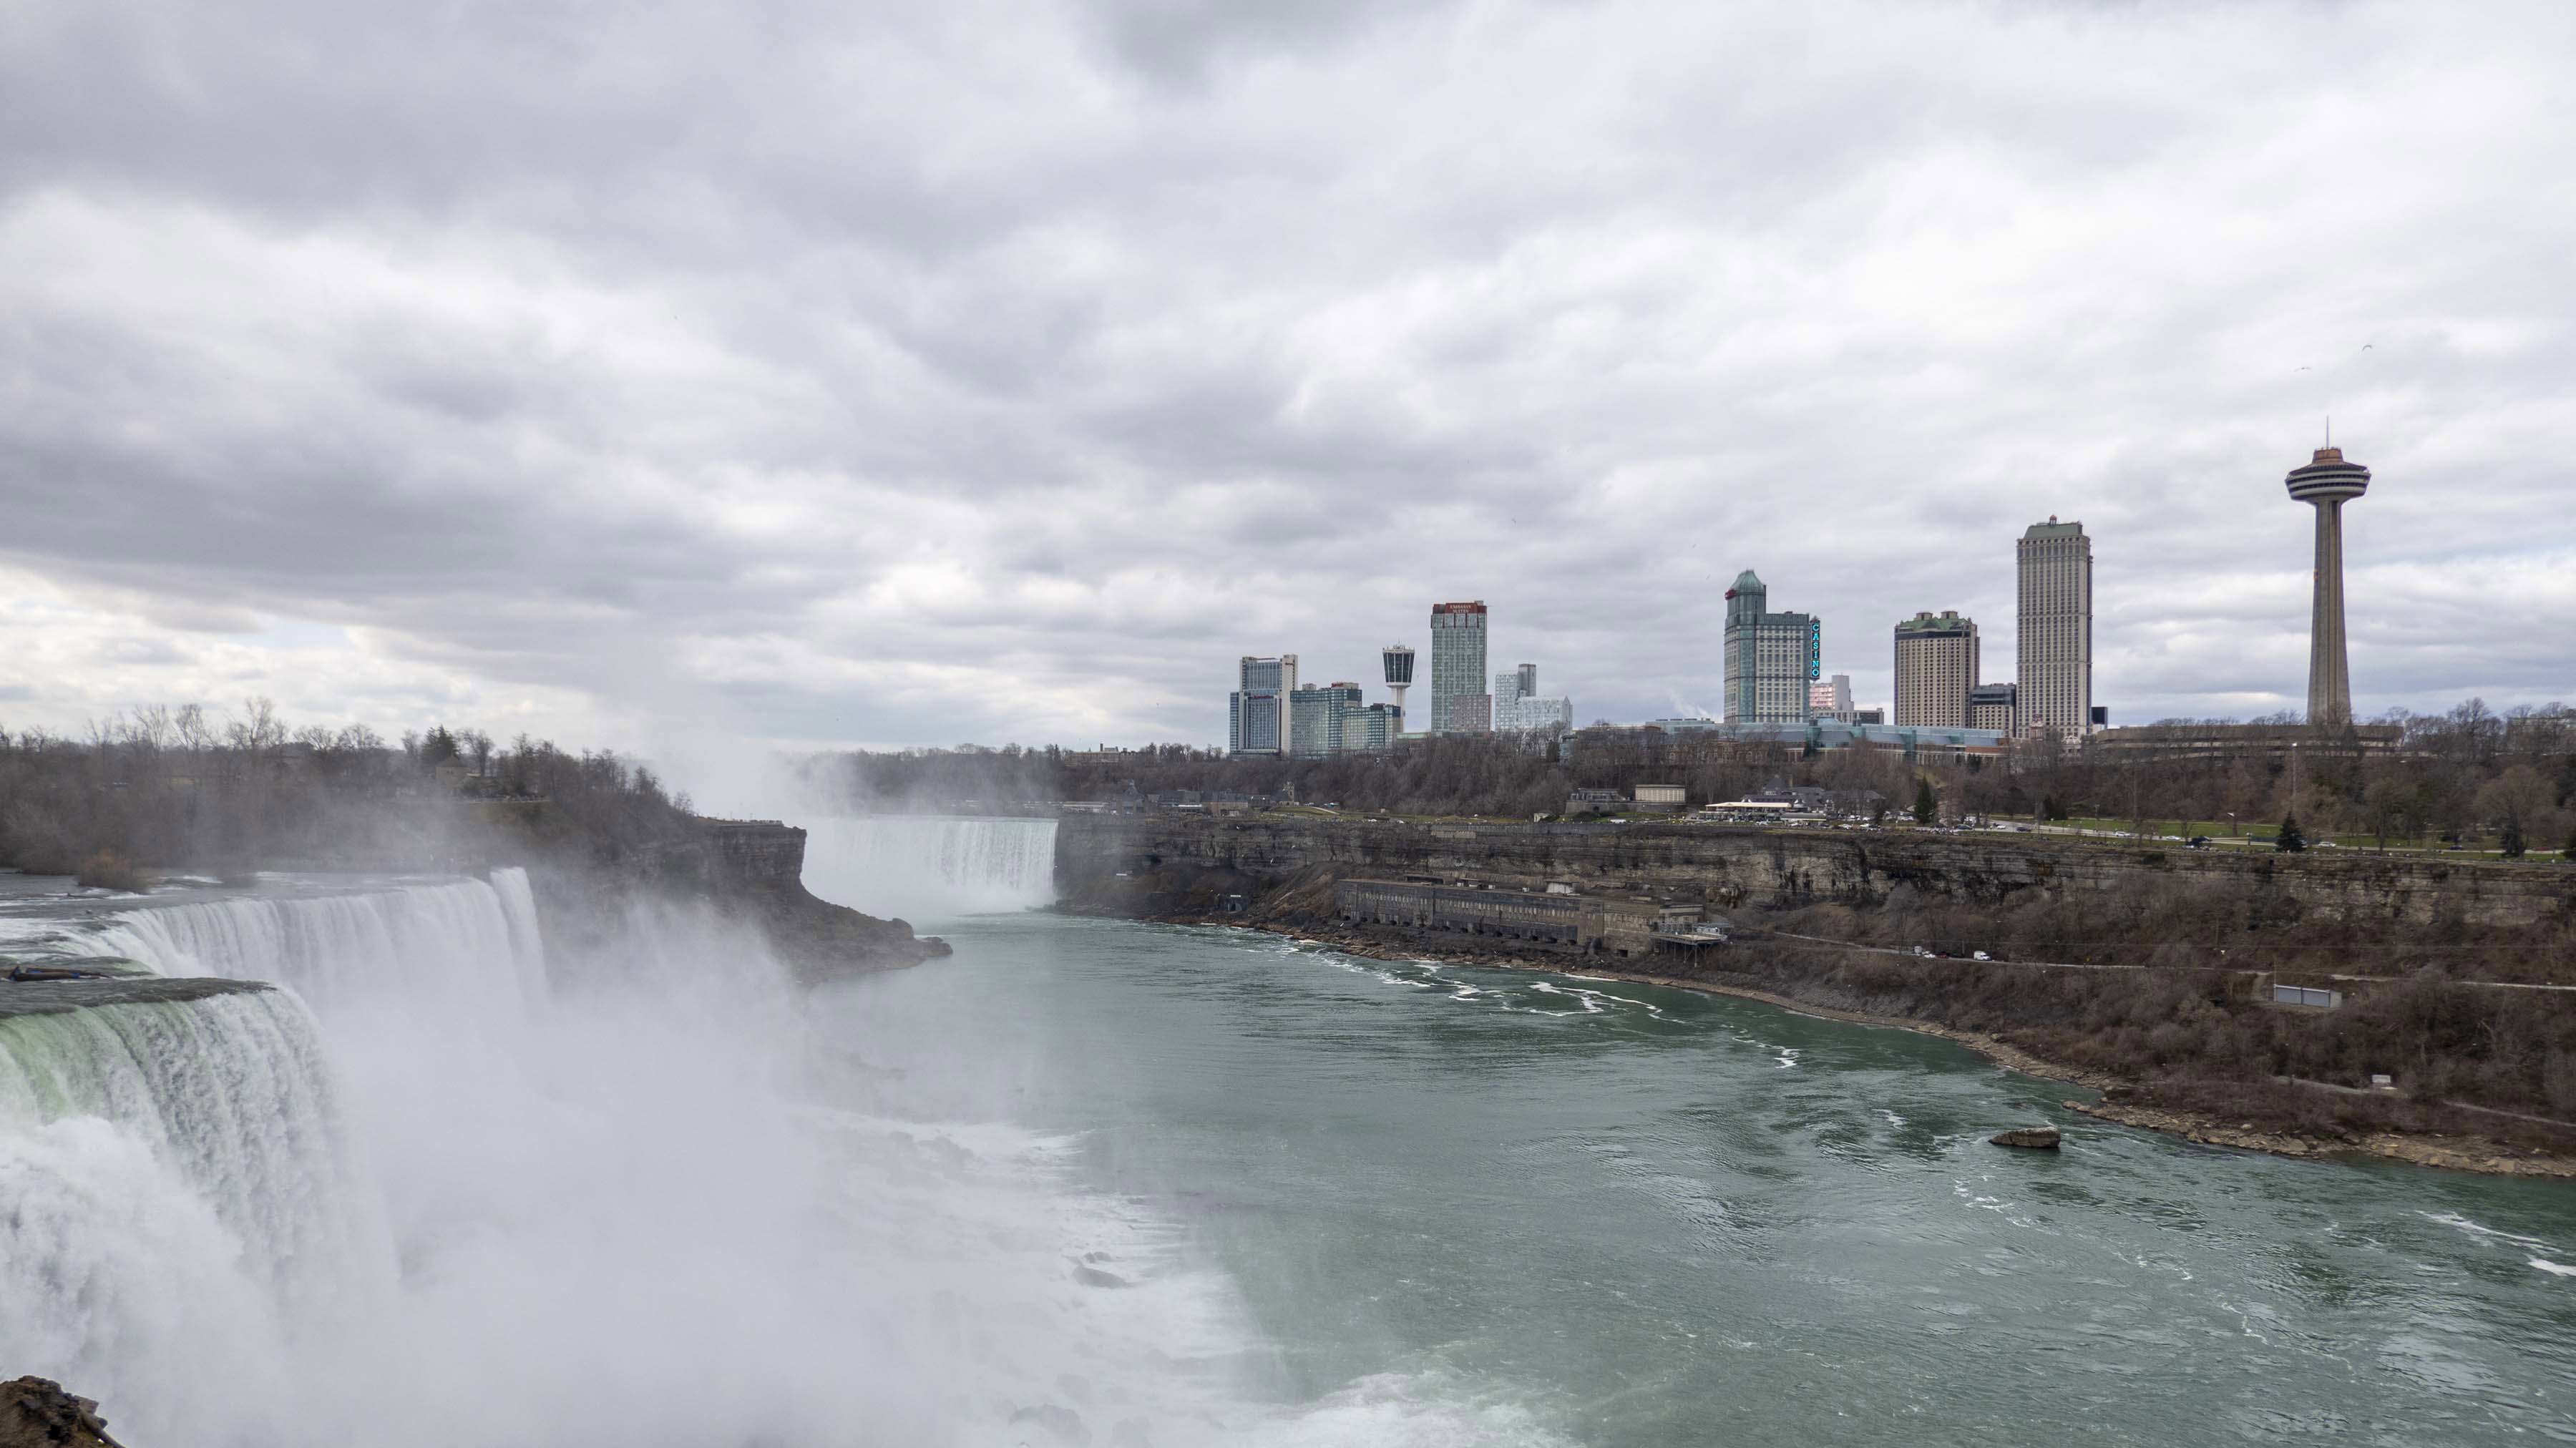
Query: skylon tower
point(2327, 484)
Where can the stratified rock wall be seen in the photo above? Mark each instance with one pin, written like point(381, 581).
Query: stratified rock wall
point(1137, 863)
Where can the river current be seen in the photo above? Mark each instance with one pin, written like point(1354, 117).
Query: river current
point(1544, 1208)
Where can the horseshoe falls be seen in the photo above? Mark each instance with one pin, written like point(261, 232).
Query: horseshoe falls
point(932, 865)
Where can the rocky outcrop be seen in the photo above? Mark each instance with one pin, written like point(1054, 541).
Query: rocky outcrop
point(54, 997)
point(2029, 1138)
point(749, 870)
point(37, 1413)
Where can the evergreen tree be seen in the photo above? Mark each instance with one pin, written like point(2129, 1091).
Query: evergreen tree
point(2290, 840)
point(1927, 805)
point(2513, 845)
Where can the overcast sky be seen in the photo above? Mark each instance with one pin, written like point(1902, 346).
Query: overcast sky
point(932, 373)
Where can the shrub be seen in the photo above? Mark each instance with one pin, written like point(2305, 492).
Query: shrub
point(108, 870)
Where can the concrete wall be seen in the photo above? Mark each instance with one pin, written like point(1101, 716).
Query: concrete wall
point(1577, 924)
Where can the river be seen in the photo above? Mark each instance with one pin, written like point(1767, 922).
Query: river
point(1540, 1206)
point(1108, 1183)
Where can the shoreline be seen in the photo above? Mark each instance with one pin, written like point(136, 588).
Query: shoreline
point(2467, 1152)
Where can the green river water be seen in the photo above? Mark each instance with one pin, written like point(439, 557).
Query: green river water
point(1614, 1214)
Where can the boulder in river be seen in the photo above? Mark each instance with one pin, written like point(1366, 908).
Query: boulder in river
point(2036, 1138)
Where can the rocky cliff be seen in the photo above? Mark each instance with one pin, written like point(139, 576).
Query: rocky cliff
point(751, 870)
point(1144, 863)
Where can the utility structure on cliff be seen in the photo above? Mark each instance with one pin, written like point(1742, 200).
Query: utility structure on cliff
point(1399, 673)
point(2327, 483)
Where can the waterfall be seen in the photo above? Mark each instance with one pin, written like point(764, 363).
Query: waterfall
point(411, 1197)
point(930, 865)
point(475, 939)
point(177, 1195)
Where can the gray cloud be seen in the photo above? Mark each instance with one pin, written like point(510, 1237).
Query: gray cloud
point(1004, 372)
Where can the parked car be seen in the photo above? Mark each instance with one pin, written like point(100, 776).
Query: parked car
point(1979, 955)
point(2200, 842)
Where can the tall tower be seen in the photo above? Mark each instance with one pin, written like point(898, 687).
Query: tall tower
point(1459, 703)
point(2328, 483)
point(2053, 640)
point(1399, 672)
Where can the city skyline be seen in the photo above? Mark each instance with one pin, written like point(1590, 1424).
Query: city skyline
point(1024, 432)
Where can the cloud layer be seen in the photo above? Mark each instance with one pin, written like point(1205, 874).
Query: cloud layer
point(1002, 372)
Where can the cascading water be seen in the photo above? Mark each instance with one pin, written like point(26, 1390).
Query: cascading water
point(930, 865)
point(474, 938)
point(181, 1197)
point(645, 1206)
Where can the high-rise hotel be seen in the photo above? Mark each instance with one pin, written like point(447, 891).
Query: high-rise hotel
point(1459, 703)
point(2053, 643)
point(1256, 713)
point(1936, 669)
point(1771, 658)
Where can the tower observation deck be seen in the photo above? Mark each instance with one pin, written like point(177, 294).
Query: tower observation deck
point(1399, 672)
point(2327, 483)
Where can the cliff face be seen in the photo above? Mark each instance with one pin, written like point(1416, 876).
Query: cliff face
point(751, 870)
point(1167, 856)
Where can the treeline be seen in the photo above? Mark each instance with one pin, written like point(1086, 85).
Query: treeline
point(1447, 774)
point(2468, 772)
point(179, 788)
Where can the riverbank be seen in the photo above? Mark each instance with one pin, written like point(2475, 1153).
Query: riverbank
point(2456, 1151)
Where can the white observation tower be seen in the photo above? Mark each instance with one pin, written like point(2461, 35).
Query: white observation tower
point(1399, 672)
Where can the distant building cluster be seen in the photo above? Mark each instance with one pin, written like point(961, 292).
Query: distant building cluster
point(1773, 664)
point(1269, 713)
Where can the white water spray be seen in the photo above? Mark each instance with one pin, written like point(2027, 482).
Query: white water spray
point(901, 864)
point(644, 1206)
